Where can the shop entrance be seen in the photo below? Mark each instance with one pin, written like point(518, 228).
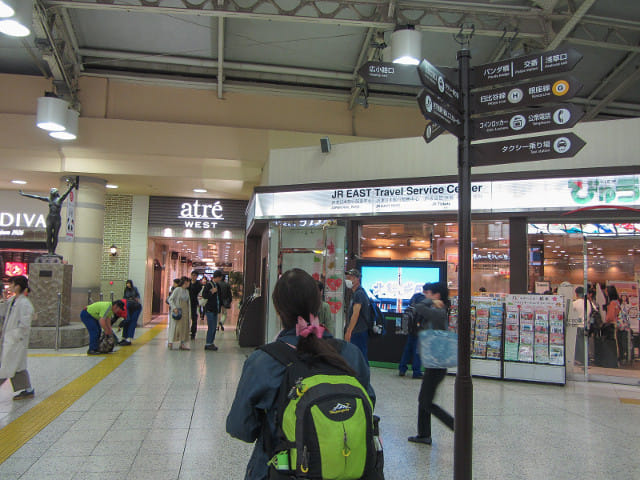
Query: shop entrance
point(173, 258)
point(597, 255)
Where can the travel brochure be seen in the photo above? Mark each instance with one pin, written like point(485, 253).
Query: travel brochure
point(539, 319)
point(533, 328)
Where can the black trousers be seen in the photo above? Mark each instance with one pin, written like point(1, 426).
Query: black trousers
point(194, 318)
point(430, 381)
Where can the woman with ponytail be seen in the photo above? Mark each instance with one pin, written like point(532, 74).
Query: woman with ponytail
point(252, 417)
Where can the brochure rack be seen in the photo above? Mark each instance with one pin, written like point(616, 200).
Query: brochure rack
point(516, 337)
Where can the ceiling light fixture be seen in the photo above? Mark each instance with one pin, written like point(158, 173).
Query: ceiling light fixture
point(199, 190)
point(108, 185)
point(71, 127)
point(6, 10)
point(406, 45)
point(22, 182)
point(19, 23)
point(52, 113)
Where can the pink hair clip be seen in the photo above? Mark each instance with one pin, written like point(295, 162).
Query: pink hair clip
point(304, 329)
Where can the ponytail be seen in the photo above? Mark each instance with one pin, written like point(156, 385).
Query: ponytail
point(314, 349)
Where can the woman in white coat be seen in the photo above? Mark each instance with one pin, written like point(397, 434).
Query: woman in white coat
point(14, 341)
point(179, 330)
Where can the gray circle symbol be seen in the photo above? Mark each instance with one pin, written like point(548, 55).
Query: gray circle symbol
point(517, 122)
point(428, 104)
point(441, 84)
point(561, 116)
point(515, 95)
point(561, 145)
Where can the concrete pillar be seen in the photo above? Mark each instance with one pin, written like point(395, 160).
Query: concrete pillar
point(84, 251)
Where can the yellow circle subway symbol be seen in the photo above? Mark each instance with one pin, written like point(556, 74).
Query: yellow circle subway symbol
point(560, 88)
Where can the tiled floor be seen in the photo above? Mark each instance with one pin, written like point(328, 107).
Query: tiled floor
point(161, 414)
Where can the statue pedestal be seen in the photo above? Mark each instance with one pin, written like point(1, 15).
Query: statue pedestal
point(46, 280)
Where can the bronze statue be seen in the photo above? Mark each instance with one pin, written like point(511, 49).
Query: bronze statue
point(53, 218)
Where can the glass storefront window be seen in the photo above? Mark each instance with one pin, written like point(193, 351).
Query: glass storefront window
point(439, 241)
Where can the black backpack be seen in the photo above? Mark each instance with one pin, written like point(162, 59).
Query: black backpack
point(325, 422)
point(595, 318)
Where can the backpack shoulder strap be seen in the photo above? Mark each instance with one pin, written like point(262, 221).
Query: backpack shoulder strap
point(281, 352)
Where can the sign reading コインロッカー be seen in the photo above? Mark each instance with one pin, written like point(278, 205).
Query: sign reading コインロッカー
point(196, 214)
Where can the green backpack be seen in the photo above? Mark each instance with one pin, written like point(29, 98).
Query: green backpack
point(325, 422)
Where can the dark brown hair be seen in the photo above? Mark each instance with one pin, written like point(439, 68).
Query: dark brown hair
point(296, 295)
point(20, 281)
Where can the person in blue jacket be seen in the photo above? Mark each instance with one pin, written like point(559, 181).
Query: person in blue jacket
point(295, 295)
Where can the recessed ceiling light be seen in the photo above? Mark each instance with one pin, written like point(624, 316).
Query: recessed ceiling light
point(19, 182)
point(108, 185)
point(199, 190)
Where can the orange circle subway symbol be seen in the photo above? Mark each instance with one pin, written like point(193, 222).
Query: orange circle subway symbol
point(560, 88)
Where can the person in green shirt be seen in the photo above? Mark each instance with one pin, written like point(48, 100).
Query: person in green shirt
point(96, 317)
point(324, 314)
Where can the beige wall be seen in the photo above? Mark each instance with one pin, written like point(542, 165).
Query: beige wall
point(611, 143)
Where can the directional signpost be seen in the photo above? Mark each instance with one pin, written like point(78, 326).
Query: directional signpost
point(449, 107)
point(527, 121)
point(432, 131)
point(560, 145)
point(435, 81)
point(532, 93)
point(390, 74)
point(524, 68)
point(437, 110)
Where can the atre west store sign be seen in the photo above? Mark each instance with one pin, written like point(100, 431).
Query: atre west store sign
point(196, 214)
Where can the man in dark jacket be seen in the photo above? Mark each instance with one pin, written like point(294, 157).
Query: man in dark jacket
point(194, 290)
point(224, 292)
point(212, 309)
point(357, 328)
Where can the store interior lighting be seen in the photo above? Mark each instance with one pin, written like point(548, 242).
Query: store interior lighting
point(18, 16)
point(406, 45)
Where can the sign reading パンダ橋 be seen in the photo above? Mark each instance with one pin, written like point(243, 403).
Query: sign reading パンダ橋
point(525, 67)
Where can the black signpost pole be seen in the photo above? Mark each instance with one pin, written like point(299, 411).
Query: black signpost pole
point(462, 453)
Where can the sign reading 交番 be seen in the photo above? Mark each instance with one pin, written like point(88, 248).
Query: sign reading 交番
point(528, 66)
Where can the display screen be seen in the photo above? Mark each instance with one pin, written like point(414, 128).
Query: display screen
point(535, 255)
point(392, 284)
point(13, 269)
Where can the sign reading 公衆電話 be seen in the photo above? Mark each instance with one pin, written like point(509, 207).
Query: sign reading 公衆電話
point(527, 121)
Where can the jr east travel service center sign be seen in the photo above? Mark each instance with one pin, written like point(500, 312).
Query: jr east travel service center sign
point(489, 197)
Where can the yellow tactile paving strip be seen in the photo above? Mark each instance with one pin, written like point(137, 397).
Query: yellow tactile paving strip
point(25, 427)
point(632, 401)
